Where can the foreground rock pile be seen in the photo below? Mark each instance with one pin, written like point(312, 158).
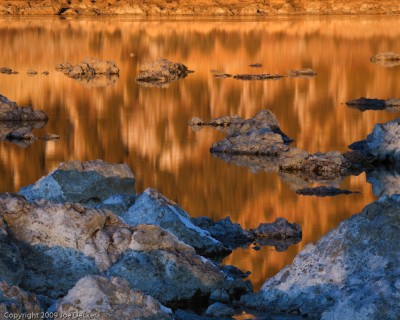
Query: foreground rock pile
point(81, 239)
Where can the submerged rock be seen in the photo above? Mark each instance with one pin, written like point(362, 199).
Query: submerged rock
point(151, 207)
point(92, 183)
point(10, 111)
point(386, 59)
point(263, 76)
point(350, 272)
point(364, 104)
point(304, 73)
point(91, 72)
point(110, 299)
point(161, 72)
point(323, 191)
point(229, 234)
point(61, 243)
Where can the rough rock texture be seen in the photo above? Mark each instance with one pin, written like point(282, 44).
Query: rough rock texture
point(151, 207)
point(383, 144)
point(219, 310)
point(110, 299)
point(364, 104)
point(92, 183)
point(229, 234)
point(62, 243)
point(13, 300)
point(206, 8)
point(161, 72)
point(323, 191)
point(279, 229)
point(386, 59)
point(350, 273)
point(10, 111)
point(91, 71)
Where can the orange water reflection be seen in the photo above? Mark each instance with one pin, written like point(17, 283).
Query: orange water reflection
point(146, 127)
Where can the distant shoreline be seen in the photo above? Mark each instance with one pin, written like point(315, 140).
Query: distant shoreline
point(220, 8)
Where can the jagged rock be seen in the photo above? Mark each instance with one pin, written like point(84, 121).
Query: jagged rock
point(323, 191)
point(110, 299)
point(364, 104)
point(304, 73)
point(352, 272)
point(386, 59)
point(280, 229)
point(10, 111)
point(15, 302)
point(93, 183)
point(151, 207)
point(219, 310)
point(161, 72)
point(230, 234)
point(264, 76)
point(62, 243)
point(383, 144)
point(91, 72)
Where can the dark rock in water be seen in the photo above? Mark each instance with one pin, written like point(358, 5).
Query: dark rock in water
point(161, 72)
point(151, 207)
point(6, 70)
point(255, 65)
point(218, 74)
point(264, 76)
point(323, 191)
point(304, 73)
point(256, 248)
point(219, 310)
point(92, 183)
point(350, 273)
point(23, 133)
point(280, 229)
point(234, 272)
point(15, 131)
point(110, 299)
point(386, 59)
point(15, 302)
point(229, 234)
point(31, 72)
point(364, 104)
point(91, 72)
point(10, 111)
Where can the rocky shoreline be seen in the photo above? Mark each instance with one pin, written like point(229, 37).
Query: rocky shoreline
point(206, 8)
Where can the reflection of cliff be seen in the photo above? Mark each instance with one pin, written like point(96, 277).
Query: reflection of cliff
point(146, 127)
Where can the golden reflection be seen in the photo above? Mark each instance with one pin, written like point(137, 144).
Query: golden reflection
point(146, 127)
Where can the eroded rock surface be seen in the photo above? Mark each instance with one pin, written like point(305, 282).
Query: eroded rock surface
point(91, 72)
point(351, 272)
point(151, 207)
point(61, 243)
point(364, 104)
point(14, 300)
point(10, 111)
point(93, 183)
point(386, 59)
point(110, 299)
point(161, 72)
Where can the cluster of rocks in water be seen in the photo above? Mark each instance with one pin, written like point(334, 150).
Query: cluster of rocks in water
point(81, 239)
point(364, 104)
point(17, 123)
point(91, 72)
point(304, 73)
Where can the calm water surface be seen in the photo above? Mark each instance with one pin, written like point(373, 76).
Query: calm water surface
point(146, 127)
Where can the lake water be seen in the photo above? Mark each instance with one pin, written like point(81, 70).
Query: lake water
point(146, 127)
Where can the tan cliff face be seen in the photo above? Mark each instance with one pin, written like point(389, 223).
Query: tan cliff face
point(196, 7)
